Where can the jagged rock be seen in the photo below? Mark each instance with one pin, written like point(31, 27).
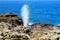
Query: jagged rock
point(38, 26)
point(38, 29)
point(11, 18)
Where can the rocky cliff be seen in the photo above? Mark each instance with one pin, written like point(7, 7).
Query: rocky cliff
point(11, 18)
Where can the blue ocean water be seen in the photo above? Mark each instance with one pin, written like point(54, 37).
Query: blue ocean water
point(40, 11)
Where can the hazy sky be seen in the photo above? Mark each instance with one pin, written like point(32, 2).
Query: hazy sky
point(29, 0)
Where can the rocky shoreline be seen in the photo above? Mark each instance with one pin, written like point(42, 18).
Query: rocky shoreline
point(13, 29)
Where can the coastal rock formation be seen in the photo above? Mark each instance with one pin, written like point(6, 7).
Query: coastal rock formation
point(38, 29)
point(38, 26)
point(11, 26)
point(11, 18)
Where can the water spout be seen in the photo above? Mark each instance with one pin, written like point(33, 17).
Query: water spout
point(25, 14)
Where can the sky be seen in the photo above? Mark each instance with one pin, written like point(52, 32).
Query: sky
point(29, 0)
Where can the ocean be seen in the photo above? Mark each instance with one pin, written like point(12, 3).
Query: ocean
point(39, 11)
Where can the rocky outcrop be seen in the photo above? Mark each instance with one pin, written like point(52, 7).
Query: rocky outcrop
point(11, 18)
point(38, 29)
